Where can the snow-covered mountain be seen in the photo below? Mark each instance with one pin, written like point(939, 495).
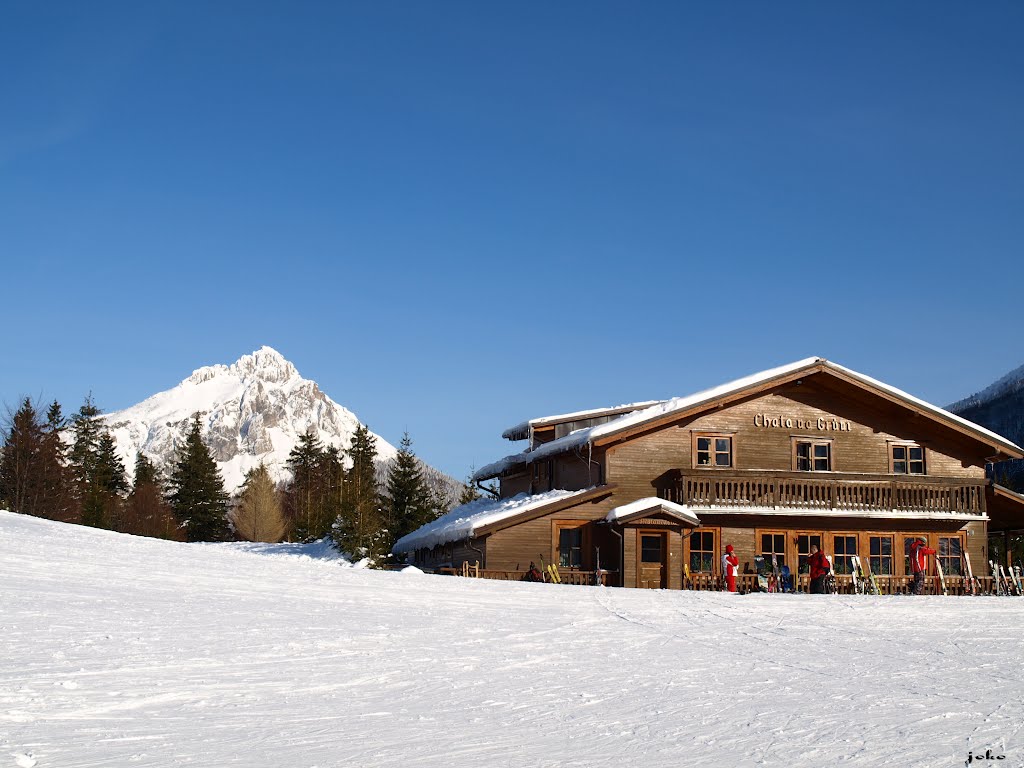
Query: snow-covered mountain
point(1009, 384)
point(252, 411)
point(999, 407)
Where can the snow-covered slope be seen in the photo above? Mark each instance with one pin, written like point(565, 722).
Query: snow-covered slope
point(122, 651)
point(252, 410)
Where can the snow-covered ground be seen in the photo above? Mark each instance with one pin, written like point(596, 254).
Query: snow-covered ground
point(121, 651)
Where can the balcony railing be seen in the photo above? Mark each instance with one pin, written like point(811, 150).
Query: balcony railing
point(856, 493)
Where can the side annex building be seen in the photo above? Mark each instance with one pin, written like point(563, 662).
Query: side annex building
point(648, 495)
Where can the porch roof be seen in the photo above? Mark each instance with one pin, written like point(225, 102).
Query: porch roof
point(1006, 509)
point(641, 508)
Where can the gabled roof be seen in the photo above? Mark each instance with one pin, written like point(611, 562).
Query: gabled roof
point(679, 407)
point(522, 431)
point(485, 516)
point(641, 508)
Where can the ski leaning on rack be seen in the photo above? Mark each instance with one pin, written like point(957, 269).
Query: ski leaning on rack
point(775, 575)
point(853, 577)
point(997, 583)
point(972, 583)
point(760, 568)
point(1012, 587)
point(942, 577)
point(1015, 578)
point(867, 577)
point(551, 570)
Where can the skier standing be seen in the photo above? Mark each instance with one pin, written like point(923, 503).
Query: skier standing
point(819, 570)
point(730, 563)
point(919, 563)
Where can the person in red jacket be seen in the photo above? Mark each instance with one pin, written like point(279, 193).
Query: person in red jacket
point(818, 564)
point(730, 565)
point(919, 563)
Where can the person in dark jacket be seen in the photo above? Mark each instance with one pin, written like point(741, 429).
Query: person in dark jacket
point(919, 563)
point(818, 564)
point(533, 574)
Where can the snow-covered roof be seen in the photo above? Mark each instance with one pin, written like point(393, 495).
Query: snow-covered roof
point(642, 507)
point(464, 521)
point(521, 431)
point(582, 437)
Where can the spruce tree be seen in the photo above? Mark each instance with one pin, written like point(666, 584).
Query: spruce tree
point(305, 492)
point(359, 528)
point(332, 488)
point(409, 502)
point(469, 491)
point(97, 472)
point(20, 464)
point(197, 491)
point(53, 473)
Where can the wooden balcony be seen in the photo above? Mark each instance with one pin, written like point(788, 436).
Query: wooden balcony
point(856, 493)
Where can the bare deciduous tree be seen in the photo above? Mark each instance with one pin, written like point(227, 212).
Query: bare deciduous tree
point(259, 516)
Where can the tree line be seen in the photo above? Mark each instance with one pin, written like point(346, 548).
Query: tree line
point(68, 469)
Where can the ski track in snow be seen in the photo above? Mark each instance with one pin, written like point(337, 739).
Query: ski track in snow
point(122, 651)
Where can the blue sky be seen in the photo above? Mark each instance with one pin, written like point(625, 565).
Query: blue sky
point(455, 216)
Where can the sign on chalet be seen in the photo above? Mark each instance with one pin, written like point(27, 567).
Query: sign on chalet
point(809, 453)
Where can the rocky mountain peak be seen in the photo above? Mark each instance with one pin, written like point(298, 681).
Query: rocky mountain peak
point(252, 411)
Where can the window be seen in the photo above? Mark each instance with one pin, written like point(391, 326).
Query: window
point(803, 550)
point(906, 459)
point(702, 552)
point(843, 549)
point(773, 544)
point(651, 548)
point(570, 547)
point(951, 555)
point(712, 451)
point(812, 455)
point(880, 559)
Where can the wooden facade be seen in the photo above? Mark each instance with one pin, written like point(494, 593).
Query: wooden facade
point(814, 456)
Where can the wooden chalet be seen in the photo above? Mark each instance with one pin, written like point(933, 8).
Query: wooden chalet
point(649, 494)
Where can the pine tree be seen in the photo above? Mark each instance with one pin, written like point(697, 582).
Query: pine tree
point(359, 529)
point(409, 503)
point(305, 492)
point(469, 491)
point(53, 473)
point(197, 491)
point(332, 488)
point(20, 487)
point(97, 472)
point(258, 516)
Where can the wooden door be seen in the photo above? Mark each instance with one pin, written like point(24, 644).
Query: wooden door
point(651, 568)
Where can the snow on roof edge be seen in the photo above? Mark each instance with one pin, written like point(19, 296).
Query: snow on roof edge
point(591, 413)
point(463, 521)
